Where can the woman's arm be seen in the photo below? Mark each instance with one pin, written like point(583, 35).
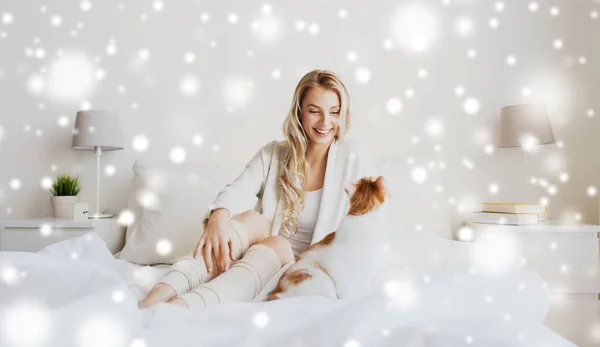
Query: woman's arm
point(219, 213)
point(242, 194)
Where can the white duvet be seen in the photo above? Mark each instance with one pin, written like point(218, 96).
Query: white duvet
point(75, 293)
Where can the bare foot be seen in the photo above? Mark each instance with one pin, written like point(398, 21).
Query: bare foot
point(179, 302)
point(161, 292)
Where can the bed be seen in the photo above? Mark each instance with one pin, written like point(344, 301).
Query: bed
point(49, 299)
point(432, 291)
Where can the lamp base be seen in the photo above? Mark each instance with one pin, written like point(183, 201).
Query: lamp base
point(99, 216)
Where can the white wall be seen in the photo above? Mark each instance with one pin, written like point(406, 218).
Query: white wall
point(169, 118)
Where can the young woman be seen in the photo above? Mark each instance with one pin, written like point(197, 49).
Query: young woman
point(298, 187)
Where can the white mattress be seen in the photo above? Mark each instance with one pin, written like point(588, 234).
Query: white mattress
point(49, 299)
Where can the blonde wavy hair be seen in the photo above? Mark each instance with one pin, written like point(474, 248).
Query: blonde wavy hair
point(293, 169)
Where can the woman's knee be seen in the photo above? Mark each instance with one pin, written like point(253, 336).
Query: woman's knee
point(256, 224)
point(281, 246)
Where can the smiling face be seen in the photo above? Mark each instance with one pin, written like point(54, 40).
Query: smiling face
point(321, 115)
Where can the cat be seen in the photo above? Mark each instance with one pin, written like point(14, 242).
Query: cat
point(342, 264)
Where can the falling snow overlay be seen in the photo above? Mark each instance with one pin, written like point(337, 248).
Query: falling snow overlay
point(200, 85)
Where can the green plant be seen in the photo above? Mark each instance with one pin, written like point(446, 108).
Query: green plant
point(65, 185)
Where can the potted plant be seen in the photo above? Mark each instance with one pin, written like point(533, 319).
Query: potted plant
point(64, 190)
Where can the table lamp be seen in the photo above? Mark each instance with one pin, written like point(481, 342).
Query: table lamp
point(524, 125)
point(97, 131)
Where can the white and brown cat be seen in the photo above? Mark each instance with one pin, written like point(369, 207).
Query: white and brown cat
point(342, 265)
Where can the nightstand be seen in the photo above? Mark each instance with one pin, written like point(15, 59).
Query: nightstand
point(565, 254)
point(31, 235)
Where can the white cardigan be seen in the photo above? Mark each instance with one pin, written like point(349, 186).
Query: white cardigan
point(346, 162)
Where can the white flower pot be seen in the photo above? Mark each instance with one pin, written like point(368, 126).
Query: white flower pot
point(63, 206)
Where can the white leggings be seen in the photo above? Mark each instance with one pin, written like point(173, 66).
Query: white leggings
point(242, 282)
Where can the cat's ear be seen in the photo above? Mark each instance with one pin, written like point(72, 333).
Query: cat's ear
point(350, 188)
point(380, 183)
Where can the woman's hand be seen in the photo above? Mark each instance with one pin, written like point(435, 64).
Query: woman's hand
point(216, 239)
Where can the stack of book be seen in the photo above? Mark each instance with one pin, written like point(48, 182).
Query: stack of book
point(510, 213)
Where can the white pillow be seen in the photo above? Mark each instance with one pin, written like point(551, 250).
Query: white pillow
point(168, 206)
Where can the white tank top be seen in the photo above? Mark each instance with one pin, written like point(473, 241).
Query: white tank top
point(306, 225)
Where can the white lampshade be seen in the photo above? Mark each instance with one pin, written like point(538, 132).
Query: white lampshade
point(523, 123)
point(97, 128)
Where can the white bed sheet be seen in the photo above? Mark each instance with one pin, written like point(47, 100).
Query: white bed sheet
point(51, 299)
